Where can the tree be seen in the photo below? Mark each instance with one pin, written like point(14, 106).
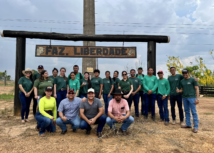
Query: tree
point(174, 62)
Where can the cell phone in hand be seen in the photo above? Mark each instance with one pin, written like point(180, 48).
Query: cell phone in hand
point(122, 107)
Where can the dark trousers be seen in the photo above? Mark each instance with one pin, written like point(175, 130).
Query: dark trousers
point(136, 104)
point(97, 95)
point(163, 108)
point(173, 99)
point(25, 102)
point(129, 100)
point(101, 121)
point(60, 96)
point(141, 94)
point(150, 99)
point(34, 103)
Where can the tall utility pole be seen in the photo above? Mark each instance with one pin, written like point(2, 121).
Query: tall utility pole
point(88, 64)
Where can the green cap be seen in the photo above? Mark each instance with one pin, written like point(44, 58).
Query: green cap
point(140, 68)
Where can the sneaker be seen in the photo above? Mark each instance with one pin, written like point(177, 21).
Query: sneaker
point(195, 130)
point(99, 134)
point(166, 123)
point(75, 130)
point(173, 122)
point(182, 123)
point(146, 117)
point(63, 132)
point(23, 121)
point(153, 118)
point(185, 126)
point(37, 129)
point(42, 135)
point(87, 132)
point(123, 132)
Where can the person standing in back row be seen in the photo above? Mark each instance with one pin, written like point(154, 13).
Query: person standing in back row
point(55, 73)
point(36, 76)
point(140, 75)
point(116, 80)
point(150, 84)
point(74, 83)
point(108, 86)
point(135, 94)
point(189, 88)
point(162, 98)
point(85, 84)
point(97, 83)
point(78, 75)
point(126, 86)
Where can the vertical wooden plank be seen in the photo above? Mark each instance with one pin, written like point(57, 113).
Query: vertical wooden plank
point(151, 55)
point(20, 65)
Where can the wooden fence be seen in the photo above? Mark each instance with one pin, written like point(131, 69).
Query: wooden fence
point(206, 90)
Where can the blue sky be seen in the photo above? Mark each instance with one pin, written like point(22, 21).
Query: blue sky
point(189, 24)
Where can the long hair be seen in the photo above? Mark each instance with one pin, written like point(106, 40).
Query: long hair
point(109, 75)
point(62, 68)
point(117, 74)
point(69, 77)
point(89, 81)
point(41, 78)
point(55, 69)
point(126, 74)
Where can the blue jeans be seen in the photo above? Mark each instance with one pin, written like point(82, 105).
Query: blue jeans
point(126, 123)
point(106, 101)
point(173, 99)
point(150, 99)
point(83, 95)
point(61, 94)
point(25, 102)
point(101, 121)
point(136, 104)
point(163, 108)
point(189, 104)
point(141, 94)
point(62, 124)
point(45, 123)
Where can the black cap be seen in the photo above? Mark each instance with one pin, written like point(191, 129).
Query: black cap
point(40, 67)
point(117, 92)
point(48, 88)
point(185, 71)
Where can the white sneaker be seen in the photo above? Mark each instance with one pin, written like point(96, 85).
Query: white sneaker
point(182, 123)
point(173, 122)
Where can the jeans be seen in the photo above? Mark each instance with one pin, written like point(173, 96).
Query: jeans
point(136, 104)
point(177, 98)
point(163, 108)
point(106, 101)
point(126, 123)
point(25, 102)
point(45, 123)
point(61, 94)
point(189, 104)
point(97, 95)
point(150, 99)
point(34, 103)
point(141, 94)
point(62, 124)
point(101, 121)
point(129, 100)
point(83, 95)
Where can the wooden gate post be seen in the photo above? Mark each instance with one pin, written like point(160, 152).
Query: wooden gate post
point(20, 65)
point(151, 56)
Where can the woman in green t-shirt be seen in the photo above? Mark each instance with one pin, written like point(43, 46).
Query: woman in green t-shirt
point(26, 88)
point(55, 73)
point(126, 87)
point(74, 83)
point(116, 80)
point(85, 85)
point(97, 83)
point(108, 86)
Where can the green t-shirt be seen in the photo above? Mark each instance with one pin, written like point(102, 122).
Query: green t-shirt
point(52, 77)
point(117, 80)
point(35, 76)
point(26, 83)
point(107, 85)
point(175, 82)
point(77, 76)
point(42, 85)
point(150, 83)
point(95, 83)
point(75, 84)
point(84, 89)
point(125, 85)
point(141, 79)
point(136, 83)
point(61, 83)
point(188, 86)
point(163, 87)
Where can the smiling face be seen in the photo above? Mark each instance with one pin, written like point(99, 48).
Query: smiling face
point(55, 73)
point(86, 75)
point(186, 75)
point(132, 73)
point(96, 74)
point(160, 75)
point(115, 75)
point(117, 97)
point(62, 72)
point(28, 73)
point(173, 71)
point(91, 95)
point(76, 69)
point(150, 71)
point(140, 71)
point(107, 74)
point(45, 75)
point(71, 95)
point(72, 76)
point(124, 74)
point(48, 93)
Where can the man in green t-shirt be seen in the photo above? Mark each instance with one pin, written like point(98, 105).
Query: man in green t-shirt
point(97, 83)
point(162, 98)
point(150, 84)
point(140, 75)
point(135, 93)
point(190, 94)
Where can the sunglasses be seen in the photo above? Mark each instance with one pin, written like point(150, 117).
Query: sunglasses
point(71, 93)
point(27, 72)
point(124, 74)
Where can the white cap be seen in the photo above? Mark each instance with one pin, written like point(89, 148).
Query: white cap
point(91, 90)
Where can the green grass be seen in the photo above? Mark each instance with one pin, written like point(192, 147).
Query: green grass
point(6, 96)
point(8, 83)
point(208, 113)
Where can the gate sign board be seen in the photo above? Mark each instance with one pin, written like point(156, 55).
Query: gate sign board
point(85, 51)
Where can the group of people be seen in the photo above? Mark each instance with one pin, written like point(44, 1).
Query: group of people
point(75, 99)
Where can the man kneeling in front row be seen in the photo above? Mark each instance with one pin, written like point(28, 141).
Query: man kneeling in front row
point(91, 113)
point(118, 112)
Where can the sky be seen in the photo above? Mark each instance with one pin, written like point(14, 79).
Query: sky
point(190, 25)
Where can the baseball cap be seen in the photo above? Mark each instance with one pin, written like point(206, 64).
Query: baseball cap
point(185, 71)
point(40, 67)
point(91, 90)
point(48, 88)
point(71, 91)
point(160, 72)
point(140, 68)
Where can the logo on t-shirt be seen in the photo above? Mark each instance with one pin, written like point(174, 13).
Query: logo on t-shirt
point(176, 79)
point(188, 82)
point(49, 81)
point(74, 83)
point(162, 83)
point(152, 80)
point(136, 80)
point(108, 81)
